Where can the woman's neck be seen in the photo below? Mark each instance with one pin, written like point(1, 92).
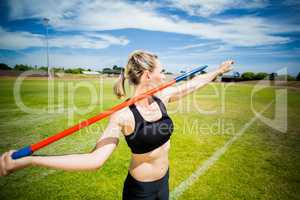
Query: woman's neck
point(140, 89)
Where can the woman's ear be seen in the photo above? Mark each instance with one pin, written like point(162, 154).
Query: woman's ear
point(146, 75)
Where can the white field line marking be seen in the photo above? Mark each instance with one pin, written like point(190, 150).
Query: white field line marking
point(184, 185)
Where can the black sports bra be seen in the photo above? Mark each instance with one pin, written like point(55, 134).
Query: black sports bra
point(148, 136)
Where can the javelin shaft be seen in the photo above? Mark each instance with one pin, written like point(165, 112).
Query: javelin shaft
point(28, 150)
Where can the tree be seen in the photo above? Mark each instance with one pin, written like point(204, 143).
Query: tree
point(116, 69)
point(74, 71)
point(107, 71)
point(21, 67)
point(43, 69)
point(247, 76)
point(290, 78)
point(272, 76)
point(57, 69)
point(4, 66)
point(298, 77)
point(260, 76)
point(68, 71)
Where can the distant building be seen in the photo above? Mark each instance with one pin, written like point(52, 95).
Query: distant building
point(235, 76)
point(90, 72)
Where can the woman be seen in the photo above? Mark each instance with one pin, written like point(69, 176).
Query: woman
point(145, 125)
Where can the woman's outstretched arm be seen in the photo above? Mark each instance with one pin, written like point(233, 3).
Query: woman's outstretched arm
point(177, 92)
point(74, 162)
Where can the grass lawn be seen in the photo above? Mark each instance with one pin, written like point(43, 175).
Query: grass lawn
point(262, 164)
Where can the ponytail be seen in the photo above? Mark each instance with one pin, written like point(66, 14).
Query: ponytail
point(138, 62)
point(119, 88)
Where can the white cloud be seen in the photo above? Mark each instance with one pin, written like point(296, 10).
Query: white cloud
point(89, 41)
point(203, 45)
point(23, 40)
point(206, 8)
point(19, 40)
point(108, 15)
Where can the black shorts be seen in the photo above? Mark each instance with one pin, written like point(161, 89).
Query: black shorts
point(153, 190)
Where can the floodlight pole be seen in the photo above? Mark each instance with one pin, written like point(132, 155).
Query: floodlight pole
point(46, 22)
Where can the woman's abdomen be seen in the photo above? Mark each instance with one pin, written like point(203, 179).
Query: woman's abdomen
point(150, 166)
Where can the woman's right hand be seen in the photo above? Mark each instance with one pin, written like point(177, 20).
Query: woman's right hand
point(9, 165)
point(226, 66)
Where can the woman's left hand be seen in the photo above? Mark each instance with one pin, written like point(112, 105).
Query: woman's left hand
point(9, 165)
point(226, 66)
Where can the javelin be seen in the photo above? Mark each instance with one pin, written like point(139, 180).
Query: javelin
point(28, 150)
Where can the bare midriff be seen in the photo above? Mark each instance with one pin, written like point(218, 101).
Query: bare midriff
point(152, 165)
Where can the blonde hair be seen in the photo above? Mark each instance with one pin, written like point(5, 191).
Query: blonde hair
point(138, 62)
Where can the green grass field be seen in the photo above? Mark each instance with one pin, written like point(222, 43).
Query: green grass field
point(262, 164)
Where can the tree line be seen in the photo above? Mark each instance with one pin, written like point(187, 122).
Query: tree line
point(22, 67)
point(250, 76)
point(115, 70)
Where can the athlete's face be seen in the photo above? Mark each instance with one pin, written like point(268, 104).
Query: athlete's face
point(157, 76)
point(154, 78)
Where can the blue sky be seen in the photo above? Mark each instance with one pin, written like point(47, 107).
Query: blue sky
point(259, 35)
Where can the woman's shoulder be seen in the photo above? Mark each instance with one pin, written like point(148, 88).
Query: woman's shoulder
point(122, 116)
point(125, 119)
